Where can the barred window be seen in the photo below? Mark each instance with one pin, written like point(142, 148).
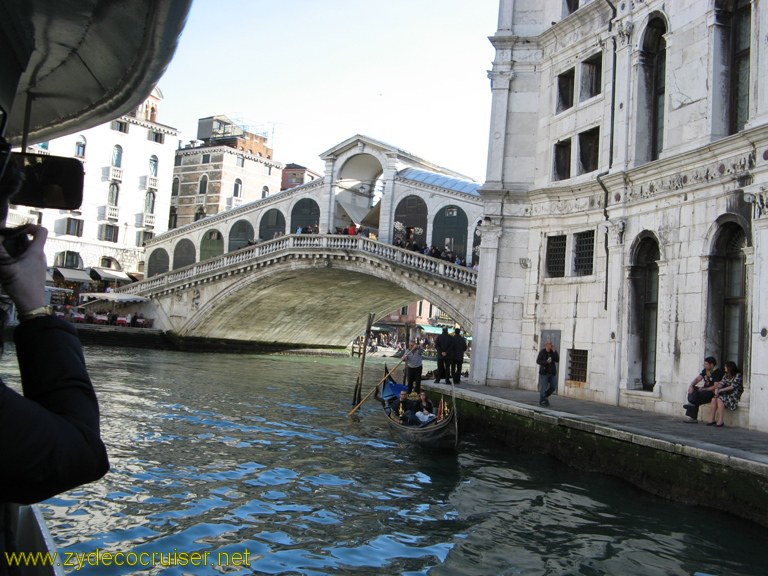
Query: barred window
point(577, 365)
point(584, 252)
point(556, 256)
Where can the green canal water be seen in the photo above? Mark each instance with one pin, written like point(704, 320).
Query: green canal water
point(239, 457)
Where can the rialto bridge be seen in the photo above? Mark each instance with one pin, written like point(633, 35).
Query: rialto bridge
point(243, 275)
point(301, 289)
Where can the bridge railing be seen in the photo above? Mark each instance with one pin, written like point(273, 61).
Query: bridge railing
point(308, 242)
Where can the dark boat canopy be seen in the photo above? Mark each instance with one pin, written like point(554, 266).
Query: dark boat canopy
point(82, 62)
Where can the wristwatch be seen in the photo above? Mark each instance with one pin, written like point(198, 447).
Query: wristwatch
point(35, 313)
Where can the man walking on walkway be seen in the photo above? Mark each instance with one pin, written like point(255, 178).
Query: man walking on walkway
point(547, 361)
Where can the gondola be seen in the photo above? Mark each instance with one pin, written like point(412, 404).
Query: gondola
point(440, 434)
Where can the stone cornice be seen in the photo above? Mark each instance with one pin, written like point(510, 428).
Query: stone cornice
point(228, 150)
point(150, 125)
point(445, 191)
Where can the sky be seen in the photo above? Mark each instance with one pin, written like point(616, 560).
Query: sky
point(311, 74)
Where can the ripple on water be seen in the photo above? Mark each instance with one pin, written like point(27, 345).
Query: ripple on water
point(234, 453)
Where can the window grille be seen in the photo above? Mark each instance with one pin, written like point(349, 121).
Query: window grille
point(584, 252)
point(556, 256)
point(577, 365)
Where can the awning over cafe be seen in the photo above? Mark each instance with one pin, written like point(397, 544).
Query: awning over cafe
point(73, 275)
point(112, 297)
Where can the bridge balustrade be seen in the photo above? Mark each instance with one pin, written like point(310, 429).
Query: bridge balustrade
point(298, 242)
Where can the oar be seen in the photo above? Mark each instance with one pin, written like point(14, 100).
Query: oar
point(387, 375)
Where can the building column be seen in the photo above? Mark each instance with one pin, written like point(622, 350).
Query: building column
point(327, 198)
point(484, 302)
point(757, 376)
point(387, 202)
point(615, 301)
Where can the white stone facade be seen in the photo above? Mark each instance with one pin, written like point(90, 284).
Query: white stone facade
point(128, 214)
point(625, 200)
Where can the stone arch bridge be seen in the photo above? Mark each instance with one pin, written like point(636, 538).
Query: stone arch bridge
point(301, 290)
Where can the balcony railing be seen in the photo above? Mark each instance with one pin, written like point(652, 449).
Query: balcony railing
point(112, 212)
point(152, 182)
point(115, 173)
point(233, 202)
point(200, 199)
point(147, 219)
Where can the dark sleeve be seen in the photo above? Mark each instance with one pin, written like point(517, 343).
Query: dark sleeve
point(717, 375)
point(541, 359)
point(556, 356)
point(50, 437)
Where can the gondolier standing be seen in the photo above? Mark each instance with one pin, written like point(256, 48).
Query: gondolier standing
point(413, 367)
point(444, 348)
point(459, 347)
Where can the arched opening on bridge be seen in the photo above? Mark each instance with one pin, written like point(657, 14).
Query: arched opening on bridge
point(272, 224)
point(476, 239)
point(211, 245)
point(411, 221)
point(449, 230)
point(358, 189)
point(158, 263)
point(241, 234)
point(183, 253)
point(306, 212)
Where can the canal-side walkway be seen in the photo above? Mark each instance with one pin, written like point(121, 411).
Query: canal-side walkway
point(725, 467)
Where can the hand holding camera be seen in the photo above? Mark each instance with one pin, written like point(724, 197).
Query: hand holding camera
point(23, 265)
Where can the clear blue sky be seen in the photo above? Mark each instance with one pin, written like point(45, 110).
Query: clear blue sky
point(411, 73)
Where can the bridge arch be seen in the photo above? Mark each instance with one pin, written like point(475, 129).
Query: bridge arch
point(449, 229)
point(240, 234)
point(305, 212)
point(211, 245)
point(272, 224)
point(411, 218)
point(158, 262)
point(184, 253)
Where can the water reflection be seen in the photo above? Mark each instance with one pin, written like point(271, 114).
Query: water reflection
point(234, 454)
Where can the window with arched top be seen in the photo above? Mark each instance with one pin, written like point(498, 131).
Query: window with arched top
point(114, 194)
point(199, 213)
point(643, 321)
point(173, 218)
point(80, 147)
point(153, 165)
point(727, 308)
point(175, 187)
point(237, 190)
point(68, 259)
point(149, 202)
point(265, 191)
point(651, 95)
point(202, 187)
point(117, 156)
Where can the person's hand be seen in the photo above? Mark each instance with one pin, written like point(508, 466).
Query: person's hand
point(549, 360)
point(23, 277)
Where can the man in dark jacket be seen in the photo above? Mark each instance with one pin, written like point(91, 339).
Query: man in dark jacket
point(459, 347)
point(444, 349)
point(547, 361)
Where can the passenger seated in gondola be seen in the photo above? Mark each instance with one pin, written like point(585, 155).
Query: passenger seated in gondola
point(403, 409)
point(425, 411)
